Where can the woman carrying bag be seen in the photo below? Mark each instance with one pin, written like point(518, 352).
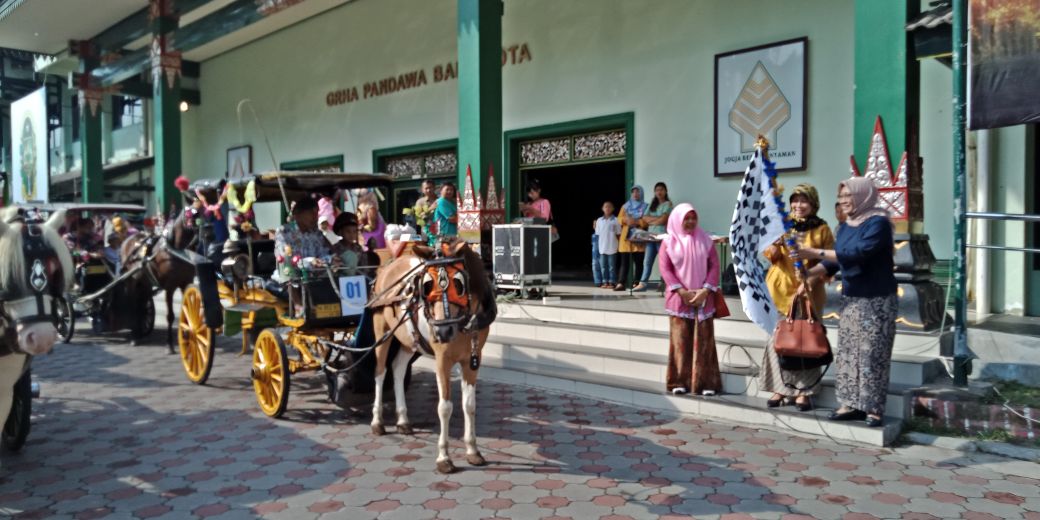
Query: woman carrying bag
point(783, 281)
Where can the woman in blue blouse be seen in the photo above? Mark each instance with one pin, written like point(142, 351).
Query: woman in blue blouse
point(867, 328)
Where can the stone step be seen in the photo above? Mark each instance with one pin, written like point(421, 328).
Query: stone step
point(740, 409)
point(748, 349)
point(608, 366)
point(922, 345)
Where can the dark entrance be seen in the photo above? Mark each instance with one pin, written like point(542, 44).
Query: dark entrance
point(577, 192)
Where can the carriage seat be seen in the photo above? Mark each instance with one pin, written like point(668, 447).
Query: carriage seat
point(276, 289)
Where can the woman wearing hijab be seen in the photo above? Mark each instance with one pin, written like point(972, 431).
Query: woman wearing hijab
point(629, 253)
point(656, 220)
point(867, 329)
point(446, 215)
point(813, 232)
point(689, 267)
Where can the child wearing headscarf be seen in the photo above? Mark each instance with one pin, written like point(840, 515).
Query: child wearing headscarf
point(689, 267)
point(631, 254)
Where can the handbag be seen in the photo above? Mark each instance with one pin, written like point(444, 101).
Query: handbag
point(803, 337)
point(721, 309)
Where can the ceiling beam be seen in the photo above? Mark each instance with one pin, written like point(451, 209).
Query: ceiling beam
point(135, 26)
point(231, 18)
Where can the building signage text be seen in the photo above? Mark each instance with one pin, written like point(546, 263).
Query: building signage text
point(512, 55)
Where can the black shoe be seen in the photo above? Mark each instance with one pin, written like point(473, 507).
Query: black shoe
point(804, 406)
point(774, 403)
point(851, 415)
point(874, 422)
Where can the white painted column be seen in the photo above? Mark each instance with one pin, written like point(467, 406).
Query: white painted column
point(983, 302)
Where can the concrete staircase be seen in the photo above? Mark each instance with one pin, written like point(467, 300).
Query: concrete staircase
point(621, 356)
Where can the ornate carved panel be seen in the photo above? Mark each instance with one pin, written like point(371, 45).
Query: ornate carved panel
point(549, 151)
point(600, 146)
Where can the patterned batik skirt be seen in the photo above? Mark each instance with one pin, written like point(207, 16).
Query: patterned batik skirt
point(866, 333)
point(775, 379)
point(694, 367)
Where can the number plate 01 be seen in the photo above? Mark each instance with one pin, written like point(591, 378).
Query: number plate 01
point(353, 291)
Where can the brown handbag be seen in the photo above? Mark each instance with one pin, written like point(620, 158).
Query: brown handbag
point(803, 337)
point(721, 309)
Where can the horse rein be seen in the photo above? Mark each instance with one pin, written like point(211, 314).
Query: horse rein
point(38, 306)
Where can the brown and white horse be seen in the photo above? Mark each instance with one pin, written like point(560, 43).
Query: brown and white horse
point(36, 269)
point(439, 302)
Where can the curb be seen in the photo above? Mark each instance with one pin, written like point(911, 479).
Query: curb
point(969, 446)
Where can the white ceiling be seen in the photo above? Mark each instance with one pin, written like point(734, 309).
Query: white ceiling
point(46, 26)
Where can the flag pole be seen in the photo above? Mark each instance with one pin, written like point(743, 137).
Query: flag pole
point(778, 196)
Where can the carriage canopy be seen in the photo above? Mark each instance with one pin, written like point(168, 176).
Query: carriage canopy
point(269, 186)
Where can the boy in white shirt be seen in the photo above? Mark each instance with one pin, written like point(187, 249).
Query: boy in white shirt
point(608, 229)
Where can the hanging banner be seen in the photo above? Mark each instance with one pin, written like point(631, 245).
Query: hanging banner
point(29, 179)
point(1003, 68)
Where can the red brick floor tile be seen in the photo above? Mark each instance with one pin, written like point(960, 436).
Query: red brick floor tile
point(919, 516)
point(948, 498)
point(445, 486)
point(123, 493)
point(602, 483)
point(797, 517)
point(549, 484)
point(609, 501)
point(864, 481)
point(835, 499)
point(497, 485)
point(813, 482)
point(496, 503)
point(915, 480)
point(842, 466)
point(664, 499)
point(723, 499)
point(780, 500)
point(859, 516)
point(711, 482)
point(211, 510)
point(975, 515)
point(327, 506)
point(970, 479)
point(286, 490)
point(1004, 498)
point(890, 499)
point(736, 516)
point(270, 507)
point(552, 502)
point(616, 517)
point(152, 511)
point(595, 468)
point(793, 466)
point(382, 506)
point(232, 491)
point(440, 504)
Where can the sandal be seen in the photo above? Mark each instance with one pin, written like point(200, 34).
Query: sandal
point(619, 287)
point(775, 401)
point(803, 403)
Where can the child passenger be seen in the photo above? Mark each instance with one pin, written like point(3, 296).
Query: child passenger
point(608, 229)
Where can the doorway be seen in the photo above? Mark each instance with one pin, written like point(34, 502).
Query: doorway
point(577, 193)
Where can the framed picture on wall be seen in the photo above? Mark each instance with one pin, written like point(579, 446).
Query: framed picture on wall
point(239, 162)
point(761, 91)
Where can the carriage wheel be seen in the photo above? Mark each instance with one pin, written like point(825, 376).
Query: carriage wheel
point(194, 337)
point(66, 318)
point(16, 429)
point(271, 373)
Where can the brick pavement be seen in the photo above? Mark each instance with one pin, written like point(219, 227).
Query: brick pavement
point(121, 433)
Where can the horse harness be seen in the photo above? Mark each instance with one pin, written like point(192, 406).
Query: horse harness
point(441, 280)
point(39, 305)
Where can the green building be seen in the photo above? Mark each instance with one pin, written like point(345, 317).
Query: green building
point(587, 96)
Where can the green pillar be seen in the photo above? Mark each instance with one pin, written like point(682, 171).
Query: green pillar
point(91, 160)
point(886, 76)
point(166, 111)
point(480, 90)
point(961, 353)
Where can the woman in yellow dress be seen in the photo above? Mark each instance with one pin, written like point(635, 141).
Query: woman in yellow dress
point(812, 232)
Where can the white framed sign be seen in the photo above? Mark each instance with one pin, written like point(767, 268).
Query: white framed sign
point(761, 91)
point(29, 173)
point(353, 293)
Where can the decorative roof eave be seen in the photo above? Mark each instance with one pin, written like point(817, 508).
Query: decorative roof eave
point(932, 32)
point(8, 6)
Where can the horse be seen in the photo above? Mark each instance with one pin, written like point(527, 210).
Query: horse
point(159, 268)
point(37, 270)
point(439, 302)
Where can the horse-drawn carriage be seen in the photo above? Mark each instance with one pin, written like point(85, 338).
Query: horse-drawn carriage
point(321, 306)
point(98, 290)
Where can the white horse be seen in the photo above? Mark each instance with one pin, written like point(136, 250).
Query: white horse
point(36, 268)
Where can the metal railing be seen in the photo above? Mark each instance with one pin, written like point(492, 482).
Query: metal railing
point(1003, 217)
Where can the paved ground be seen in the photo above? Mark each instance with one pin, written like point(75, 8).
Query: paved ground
point(119, 432)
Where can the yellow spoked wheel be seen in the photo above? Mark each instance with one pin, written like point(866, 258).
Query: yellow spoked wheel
point(271, 373)
point(194, 337)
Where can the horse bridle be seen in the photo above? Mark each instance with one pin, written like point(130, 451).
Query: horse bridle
point(39, 305)
point(444, 271)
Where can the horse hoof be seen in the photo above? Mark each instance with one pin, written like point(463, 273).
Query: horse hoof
point(378, 429)
point(445, 467)
point(405, 429)
point(476, 459)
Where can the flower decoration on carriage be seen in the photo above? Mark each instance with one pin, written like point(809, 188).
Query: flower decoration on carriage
point(245, 218)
